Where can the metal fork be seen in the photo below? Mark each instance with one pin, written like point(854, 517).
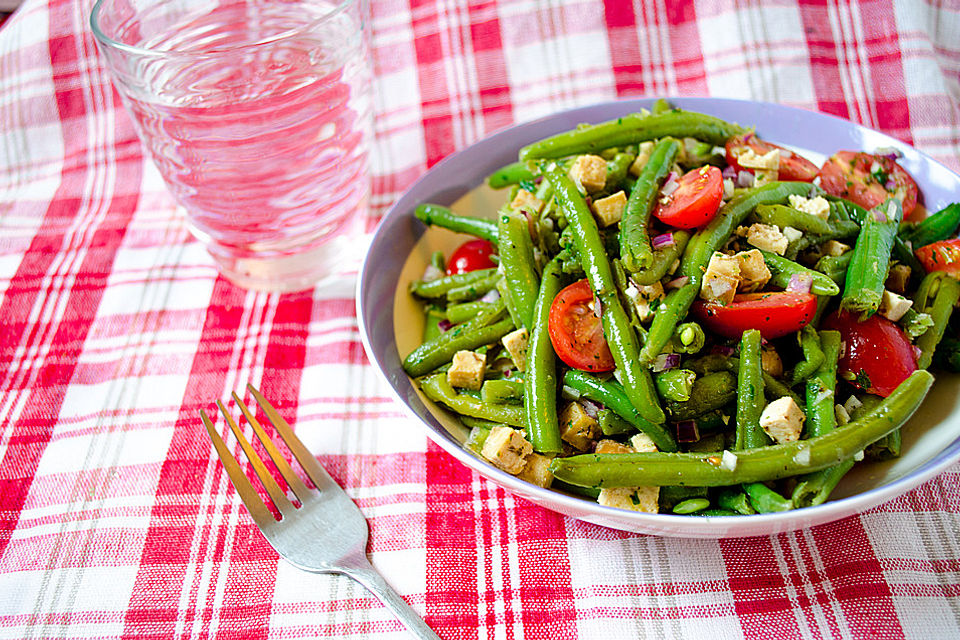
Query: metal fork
point(327, 533)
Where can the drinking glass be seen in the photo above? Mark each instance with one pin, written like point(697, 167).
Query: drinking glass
point(258, 115)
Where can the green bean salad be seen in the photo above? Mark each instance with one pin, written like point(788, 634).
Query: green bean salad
point(670, 314)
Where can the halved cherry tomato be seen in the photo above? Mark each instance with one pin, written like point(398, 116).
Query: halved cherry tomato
point(695, 200)
point(775, 313)
point(877, 355)
point(470, 256)
point(793, 166)
point(868, 180)
point(941, 256)
point(575, 330)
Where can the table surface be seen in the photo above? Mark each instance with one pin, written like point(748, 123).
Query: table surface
point(116, 519)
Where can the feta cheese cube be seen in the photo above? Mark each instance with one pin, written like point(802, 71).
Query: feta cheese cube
point(642, 443)
point(816, 206)
point(537, 470)
point(507, 449)
point(643, 499)
point(526, 201)
point(893, 305)
point(609, 210)
point(590, 172)
point(767, 237)
point(516, 343)
point(721, 279)
point(754, 272)
point(643, 156)
point(791, 234)
point(835, 248)
point(748, 159)
point(577, 428)
point(466, 371)
point(783, 420)
point(647, 300)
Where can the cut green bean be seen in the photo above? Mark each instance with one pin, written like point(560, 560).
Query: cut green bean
point(782, 215)
point(502, 391)
point(766, 500)
point(939, 226)
point(461, 312)
point(486, 328)
point(440, 216)
point(675, 384)
point(783, 271)
point(664, 258)
point(440, 287)
point(708, 393)
point(750, 398)
point(540, 379)
point(755, 465)
point(947, 293)
point(635, 250)
point(867, 273)
point(509, 175)
point(812, 354)
point(518, 263)
point(439, 390)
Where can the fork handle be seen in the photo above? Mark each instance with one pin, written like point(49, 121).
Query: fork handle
point(363, 572)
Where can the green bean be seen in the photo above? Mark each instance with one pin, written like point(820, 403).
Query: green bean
point(755, 465)
point(540, 380)
point(486, 328)
point(821, 387)
point(688, 337)
point(886, 448)
point(518, 263)
point(612, 395)
point(431, 328)
point(691, 506)
point(734, 499)
point(441, 286)
point(672, 496)
point(511, 174)
point(621, 338)
point(915, 323)
point(478, 423)
point(814, 489)
point(617, 168)
point(660, 105)
point(867, 273)
point(506, 298)
point(773, 387)
point(461, 312)
point(611, 424)
point(439, 390)
point(663, 259)
point(939, 226)
point(782, 215)
point(438, 261)
point(750, 401)
point(812, 354)
point(472, 291)
point(900, 252)
point(783, 270)
point(835, 267)
point(708, 393)
point(764, 499)
point(440, 216)
point(697, 255)
point(940, 310)
point(632, 129)
point(675, 384)
point(502, 391)
point(635, 250)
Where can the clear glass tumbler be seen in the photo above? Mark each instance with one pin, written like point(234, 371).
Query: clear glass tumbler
point(258, 115)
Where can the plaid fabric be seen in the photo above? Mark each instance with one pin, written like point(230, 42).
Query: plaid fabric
point(116, 520)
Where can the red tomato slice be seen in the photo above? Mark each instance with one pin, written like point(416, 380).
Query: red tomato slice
point(868, 180)
point(941, 256)
point(471, 256)
point(793, 166)
point(775, 314)
point(695, 200)
point(877, 355)
point(576, 332)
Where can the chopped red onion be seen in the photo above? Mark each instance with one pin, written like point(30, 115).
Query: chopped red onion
point(687, 431)
point(431, 273)
point(890, 153)
point(444, 325)
point(800, 282)
point(747, 136)
point(663, 240)
point(723, 350)
point(890, 184)
point(676, 283)
point(879, 215)
point(590, 407)
point(670, 185)
point(597, 306)
point(745, 179)
point(729, 171)
point(666, 361)
point(917, 352)
point(531, 223)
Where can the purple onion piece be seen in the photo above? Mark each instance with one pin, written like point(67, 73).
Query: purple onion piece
point(745, 179)
point(687, 431)
point(666, 361)
point(723, 350)
point(590, 407)
point(800, 282)
point(729, 171)
point(676, 283)
point(663, 240)
point(597, 306)
point(879, 215)
point(444, 325)
point(490, 296)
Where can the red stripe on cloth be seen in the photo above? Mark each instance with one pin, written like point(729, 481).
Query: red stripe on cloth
point(435, 94)
point(859, 584)
point(886, 68)
point(491, 65)
point(624, 44)
point(824, 58)
point(452, 597)
point(685, 49)
point(171, 552)
point(46, 382)
point(758, 588)
point(549, 606)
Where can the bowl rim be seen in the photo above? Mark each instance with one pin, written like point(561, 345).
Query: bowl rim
point(660, 523)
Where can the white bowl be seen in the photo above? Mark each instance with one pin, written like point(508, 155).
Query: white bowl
point(391, 322)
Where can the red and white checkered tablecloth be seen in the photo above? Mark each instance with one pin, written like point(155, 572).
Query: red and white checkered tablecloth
point(116, 520)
